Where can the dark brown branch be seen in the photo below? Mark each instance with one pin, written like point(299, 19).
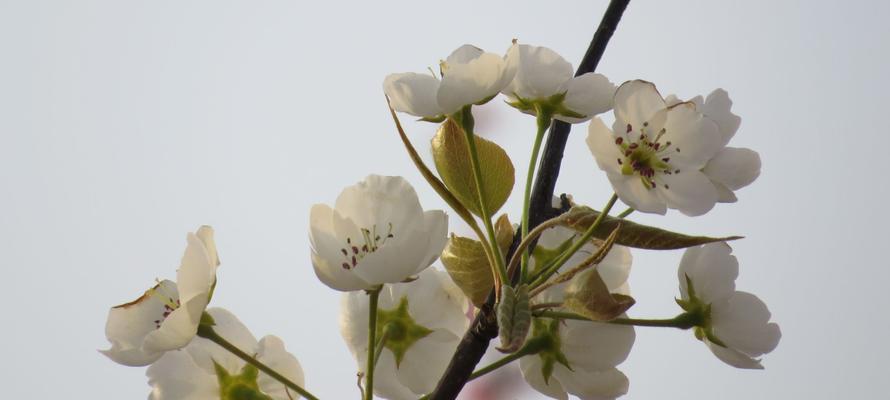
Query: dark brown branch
point(484, 328)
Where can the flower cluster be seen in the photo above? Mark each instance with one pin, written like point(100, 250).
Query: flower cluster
point(557, 295)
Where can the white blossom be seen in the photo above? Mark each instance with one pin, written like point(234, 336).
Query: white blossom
point(591, 350)
point(468, 76)
point(376, 233)
point(205, 371)
point(544, 78)
point(166, 317)
point(662, 154)
point(429, 318)
point(736, 324)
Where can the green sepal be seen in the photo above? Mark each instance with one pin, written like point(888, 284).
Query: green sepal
point(546, 335)
point(242, 386)
point(401, 330)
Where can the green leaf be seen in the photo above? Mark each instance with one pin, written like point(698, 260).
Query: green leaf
point(589, 296)
point(514, 318)
point(452, 159)
point(633, 234)
point(465, 261)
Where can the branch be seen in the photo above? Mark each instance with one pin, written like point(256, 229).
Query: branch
point(484, 327)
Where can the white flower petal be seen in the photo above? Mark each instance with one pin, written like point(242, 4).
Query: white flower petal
point(178, 329)
point(386, 382)
point(733, 167)
point(326, 255)
point(733, 357)
point(380, 200)
point(712, 269)
point(464, 54)
point(271, 351)
point(717, 107)
point(631, 190)
point(601, 142)
point(694, 138)
point(413, 93)
point(128, 325)
point(594, 345)
point(742, 323)
point(637, 102)
point(472, 82)
point(176, 377)
point(436, 223)
point(604, 384)
point(426, 360)
point(531, 367)
point(589, 94)
point(690, 192)
point(540, 73)
point(435, 301)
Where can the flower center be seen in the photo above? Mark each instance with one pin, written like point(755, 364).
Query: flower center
point(168, 299)
point(371, 242)
point(646, 156)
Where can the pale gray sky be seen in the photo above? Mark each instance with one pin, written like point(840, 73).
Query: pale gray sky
point(125, 124)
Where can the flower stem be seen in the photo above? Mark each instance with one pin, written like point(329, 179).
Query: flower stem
point(374, 295)
point(577, 244)
point(625, 213)
point(525, 243)
point(466, 122)
point(381, 342)
point(543, 120)
point(206, 331)
point(682, 321)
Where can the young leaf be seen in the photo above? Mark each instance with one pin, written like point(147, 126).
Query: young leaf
point(465, 261)
point(588, 295)
point(632, 234)
point(514, 318)
point(452, 159)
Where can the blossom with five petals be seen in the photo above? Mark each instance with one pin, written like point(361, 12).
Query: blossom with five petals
point(584, 356)
point(426, 319)
point(663, 154)
point(545, 79)
point(166, 317)
point(205, 371)
point(735, 325)
point(469, 76)
point(376, 233)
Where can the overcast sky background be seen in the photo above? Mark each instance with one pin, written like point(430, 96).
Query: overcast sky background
point(126, 124)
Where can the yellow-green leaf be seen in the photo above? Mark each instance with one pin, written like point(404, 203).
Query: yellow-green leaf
point(452, 159)
point(589, 296)
point(633, 234)
point(466, 262)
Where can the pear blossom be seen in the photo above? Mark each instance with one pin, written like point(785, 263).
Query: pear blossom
point(731, 168)
point(469, 76)
point(583, 359)
point(376, 233)
point(544, 78)
point(166, 317)
point(428, 317)
point(736, 325)
point(205, 371)
point(662, 154)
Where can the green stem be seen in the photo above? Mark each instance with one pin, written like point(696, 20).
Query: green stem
point(372, 342)
point(578, 243)
point(682, 321)
point(625, 213)
point(543, 120)
point(206, 331)
point(381, 342)
point(465, 118)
